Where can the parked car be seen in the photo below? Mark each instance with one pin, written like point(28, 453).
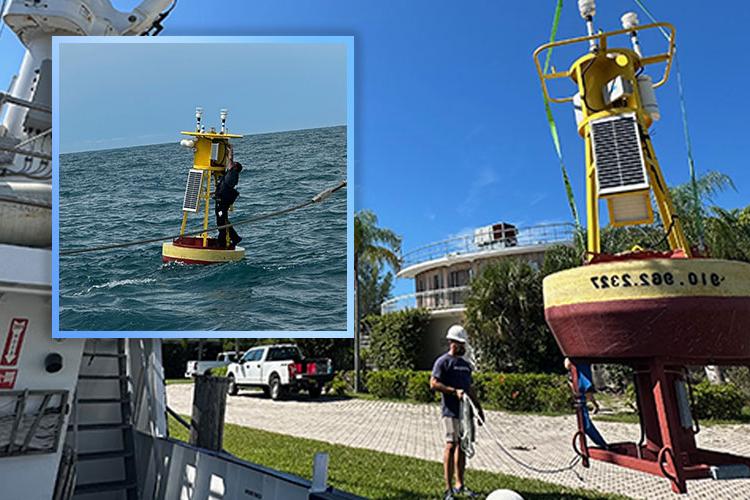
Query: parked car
point(279, 370)
point(195, 368)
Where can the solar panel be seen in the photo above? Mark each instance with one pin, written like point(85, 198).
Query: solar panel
point(192, 191)
point(618, 155)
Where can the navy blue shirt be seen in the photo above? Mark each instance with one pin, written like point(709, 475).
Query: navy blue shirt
point(453, 371)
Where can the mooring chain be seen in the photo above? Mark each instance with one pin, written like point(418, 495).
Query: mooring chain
point(315, 199)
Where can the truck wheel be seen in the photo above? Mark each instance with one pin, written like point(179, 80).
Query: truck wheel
point(315, 391)
point(277, 390)
point(232, 388)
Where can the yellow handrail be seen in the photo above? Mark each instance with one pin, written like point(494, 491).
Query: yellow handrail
point(602, 38)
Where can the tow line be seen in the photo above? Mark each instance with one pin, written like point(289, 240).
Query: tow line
point(315, 199)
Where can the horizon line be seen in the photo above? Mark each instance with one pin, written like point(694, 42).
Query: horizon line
point(167, 142)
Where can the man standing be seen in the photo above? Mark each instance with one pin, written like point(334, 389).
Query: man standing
point(225, 196)
point(451, 376)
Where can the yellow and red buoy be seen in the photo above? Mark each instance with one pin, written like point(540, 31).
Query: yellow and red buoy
point(657, 312)
point(210, 162)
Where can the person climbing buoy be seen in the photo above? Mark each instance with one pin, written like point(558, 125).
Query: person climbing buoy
point(224, 198)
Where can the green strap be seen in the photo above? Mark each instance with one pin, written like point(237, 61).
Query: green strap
point(698, 212)
point(553, 126)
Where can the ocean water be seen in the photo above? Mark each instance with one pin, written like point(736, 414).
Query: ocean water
point(293, 276)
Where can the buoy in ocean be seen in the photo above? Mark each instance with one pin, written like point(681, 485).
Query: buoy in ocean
point(210, 161)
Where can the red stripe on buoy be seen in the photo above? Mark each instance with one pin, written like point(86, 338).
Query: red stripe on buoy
point(701, 330)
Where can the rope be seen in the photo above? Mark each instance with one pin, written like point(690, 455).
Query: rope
point(570, 467)
point(315, 199)
point(685, 132)
point(553, 125)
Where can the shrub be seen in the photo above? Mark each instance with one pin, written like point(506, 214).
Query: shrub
point(528, 392)
point(388, 383)
point(418, 387)
point(395, 338)
point(717, 401)
point(219, 371)
point(342, 384)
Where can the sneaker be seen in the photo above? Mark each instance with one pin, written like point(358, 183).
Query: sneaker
point(465, 492)
point(449, 495)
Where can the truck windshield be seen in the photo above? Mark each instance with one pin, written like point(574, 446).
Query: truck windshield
point(284, 354)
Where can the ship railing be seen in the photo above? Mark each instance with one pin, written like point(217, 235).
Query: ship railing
point(432, 300)
point(13, 146)
point(490, 240)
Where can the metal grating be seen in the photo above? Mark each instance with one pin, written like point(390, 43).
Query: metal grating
point(618, 155)
point(31, 421)
point(192, 191)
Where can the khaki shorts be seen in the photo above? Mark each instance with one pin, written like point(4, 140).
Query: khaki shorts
point(452, 430)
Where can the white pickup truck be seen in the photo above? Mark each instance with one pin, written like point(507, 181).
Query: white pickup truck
point(195, 368)
point(279, 369)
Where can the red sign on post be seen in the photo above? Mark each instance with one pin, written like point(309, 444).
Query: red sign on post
point(13, 342)
point(8, 378)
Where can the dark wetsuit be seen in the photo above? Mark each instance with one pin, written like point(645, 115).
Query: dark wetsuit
point(225, 196)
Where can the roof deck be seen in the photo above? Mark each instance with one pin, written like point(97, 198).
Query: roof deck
point(484, 244)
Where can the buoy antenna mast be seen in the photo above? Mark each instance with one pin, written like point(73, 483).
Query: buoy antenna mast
point(629, 21)
point(587, 9)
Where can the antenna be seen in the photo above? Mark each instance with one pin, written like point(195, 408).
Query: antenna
point(587, 8)
point(198, 114)
point(629, 21)
point(223, 115)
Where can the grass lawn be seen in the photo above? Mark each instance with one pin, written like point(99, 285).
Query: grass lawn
point(172, 381)
point(369, 473)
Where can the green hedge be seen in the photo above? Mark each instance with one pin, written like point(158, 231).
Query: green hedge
point(513, 391)
point(717, 401)
point(396, 338)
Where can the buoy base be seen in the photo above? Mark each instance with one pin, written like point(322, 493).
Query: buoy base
point(190, 250)
point(696, 311)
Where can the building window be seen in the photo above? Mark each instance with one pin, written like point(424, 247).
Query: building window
point(458, 278)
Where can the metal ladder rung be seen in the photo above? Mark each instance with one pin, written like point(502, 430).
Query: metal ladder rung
point(85, 376)
point(94, 401)
point(102, 455)
point(103, 355)
point(82, 489)
point(99, 427)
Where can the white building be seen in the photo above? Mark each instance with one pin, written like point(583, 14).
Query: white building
point(443, 270)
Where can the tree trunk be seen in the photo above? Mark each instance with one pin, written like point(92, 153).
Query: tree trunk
point(357, 381)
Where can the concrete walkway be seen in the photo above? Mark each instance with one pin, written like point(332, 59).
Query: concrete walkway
point(415, 430)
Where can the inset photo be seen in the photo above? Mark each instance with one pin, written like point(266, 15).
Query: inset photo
point(200, 184)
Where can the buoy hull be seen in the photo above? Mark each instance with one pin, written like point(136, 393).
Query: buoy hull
point(691, 310)
point(191, 251)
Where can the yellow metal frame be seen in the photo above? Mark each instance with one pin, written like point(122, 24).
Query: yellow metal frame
point(202, 161)
point(593, 71)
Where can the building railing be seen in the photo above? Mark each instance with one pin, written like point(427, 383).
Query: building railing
point(432, 300)
point(494, 239)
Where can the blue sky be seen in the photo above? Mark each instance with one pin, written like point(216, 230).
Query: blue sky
point(145, 93)
point(450, 131)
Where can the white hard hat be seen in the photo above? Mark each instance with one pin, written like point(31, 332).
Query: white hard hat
point(458, 334)
point(504, 495)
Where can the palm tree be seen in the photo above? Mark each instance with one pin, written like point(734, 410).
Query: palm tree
point(692, 200)
point(375, 246)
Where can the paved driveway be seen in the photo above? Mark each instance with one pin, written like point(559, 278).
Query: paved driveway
point(414, 430)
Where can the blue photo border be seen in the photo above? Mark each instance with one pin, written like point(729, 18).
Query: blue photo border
point(348, 41)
